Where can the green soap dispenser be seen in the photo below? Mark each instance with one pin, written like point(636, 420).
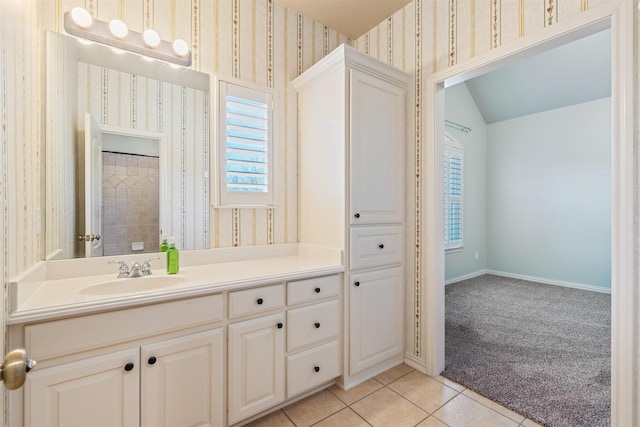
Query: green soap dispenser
point(173, 258)
point(164, 246)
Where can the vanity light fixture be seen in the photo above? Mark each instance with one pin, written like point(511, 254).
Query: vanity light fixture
point(78, 22)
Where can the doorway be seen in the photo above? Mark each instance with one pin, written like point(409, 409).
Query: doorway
point(619, 18)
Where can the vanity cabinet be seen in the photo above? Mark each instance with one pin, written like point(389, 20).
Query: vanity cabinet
point(167, 383)
point(351, 123)
point(154, 365)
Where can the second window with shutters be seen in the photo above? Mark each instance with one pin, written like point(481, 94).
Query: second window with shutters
point(245, 145)
point(453, 194)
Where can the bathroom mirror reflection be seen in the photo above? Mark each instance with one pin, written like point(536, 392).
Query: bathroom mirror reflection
point(127, 152)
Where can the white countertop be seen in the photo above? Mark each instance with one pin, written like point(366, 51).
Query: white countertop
point(55, 289)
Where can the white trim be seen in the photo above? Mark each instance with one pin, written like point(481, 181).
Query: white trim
point(554, 282)
point(466, 276)
point(620, 17)
point(413, 361)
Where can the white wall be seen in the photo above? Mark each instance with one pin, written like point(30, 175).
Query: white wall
point(549, 194)
point(461, 108)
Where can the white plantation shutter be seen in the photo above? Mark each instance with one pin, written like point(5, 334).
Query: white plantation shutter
point(245, 145)
point(453, 193)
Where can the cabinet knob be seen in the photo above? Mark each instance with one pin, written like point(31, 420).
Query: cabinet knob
point(381, 246)
point(152, 360)
point(357, 215)
point(279, 325)
point(316, 368)
point(260, 301)
point(128, 367)
point(317, 290)
point(317, 325)
point(357, 283)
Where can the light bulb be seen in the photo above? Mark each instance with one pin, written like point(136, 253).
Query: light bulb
point(118, 28)
point(81, 17)
point(151, 38)
point(180, 47)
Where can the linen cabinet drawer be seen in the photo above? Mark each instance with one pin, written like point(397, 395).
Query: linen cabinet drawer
point(313, 367)
point(375, 246)
point(256, 300)
point(313, 289)
point(312, 324)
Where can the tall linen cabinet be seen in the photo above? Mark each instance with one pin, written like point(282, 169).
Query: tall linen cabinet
point(351, 156)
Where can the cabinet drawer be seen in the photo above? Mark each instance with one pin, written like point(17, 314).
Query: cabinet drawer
point(257, 300)
point(59, 337)
point(375, 246)
point(312, 324)
point(313, 367)
point(313, 289)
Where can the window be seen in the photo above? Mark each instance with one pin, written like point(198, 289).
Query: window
point(453, 193)
point(245, 145)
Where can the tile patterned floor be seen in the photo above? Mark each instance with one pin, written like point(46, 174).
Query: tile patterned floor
point(398, 397)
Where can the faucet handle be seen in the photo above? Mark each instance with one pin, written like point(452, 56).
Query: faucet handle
point(146, 266)
point(124, 268)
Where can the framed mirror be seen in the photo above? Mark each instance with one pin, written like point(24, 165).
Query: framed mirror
point(127, 144)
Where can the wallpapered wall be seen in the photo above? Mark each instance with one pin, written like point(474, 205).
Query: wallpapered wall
point(259, 41)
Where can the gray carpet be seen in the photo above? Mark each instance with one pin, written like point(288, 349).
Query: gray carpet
point(541, 350)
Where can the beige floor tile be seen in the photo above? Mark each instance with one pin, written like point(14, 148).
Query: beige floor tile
point(463, 411)
point(432, 422)
point(313, 409)
point(422, 390)
point(530, 423)
point(394, 373)
point(357, 392)
point(344, 418)
point(274, 419)
point(495, 406)
point(454, 385)
point(385, 408)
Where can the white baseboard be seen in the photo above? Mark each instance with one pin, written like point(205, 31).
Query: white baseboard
point(549, 281)
point(466, 276)
point(415, 363)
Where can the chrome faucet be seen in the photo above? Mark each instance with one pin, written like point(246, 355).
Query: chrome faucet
point(124, 268)
point(137, 269)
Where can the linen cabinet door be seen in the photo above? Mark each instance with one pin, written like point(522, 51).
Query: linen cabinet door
point(377, 150)
point(376, 321)
point(255, 366)
point(98, 391)
point(182, 381)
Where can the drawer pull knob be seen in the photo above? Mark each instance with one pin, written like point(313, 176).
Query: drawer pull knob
point(317, 290)
point(317, 325)
point(260, 301)
point(357, 215)
point(316, 368)
point(152, 360)
point(128, 367)
point(279, 325)
point(357, 283)
point(381, 246)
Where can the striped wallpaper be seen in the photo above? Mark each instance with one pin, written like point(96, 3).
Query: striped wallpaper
point(262, 42)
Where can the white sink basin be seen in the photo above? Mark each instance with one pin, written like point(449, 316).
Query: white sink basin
point(127, 285)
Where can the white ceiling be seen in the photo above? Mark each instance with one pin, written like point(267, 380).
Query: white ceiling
point(567, 75)
point(349, 17)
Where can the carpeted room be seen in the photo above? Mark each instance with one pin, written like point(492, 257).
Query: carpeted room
point(536, 206)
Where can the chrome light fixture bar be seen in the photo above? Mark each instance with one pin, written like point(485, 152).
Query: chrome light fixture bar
point(78, 22)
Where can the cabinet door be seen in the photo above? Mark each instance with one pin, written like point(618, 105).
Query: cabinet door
point(99, 391)
point(182, 381)
point(375, 300)
point(377, 150)
point(256, 366)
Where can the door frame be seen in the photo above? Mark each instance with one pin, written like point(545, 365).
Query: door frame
point(619, 16)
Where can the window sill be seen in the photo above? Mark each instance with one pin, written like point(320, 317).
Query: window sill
point(454, 250)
